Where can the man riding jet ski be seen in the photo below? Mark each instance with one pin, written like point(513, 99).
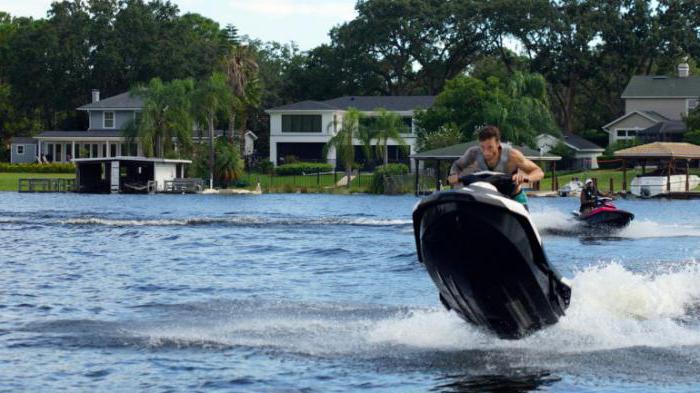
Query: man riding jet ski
point(598, 211)
point(485, 255)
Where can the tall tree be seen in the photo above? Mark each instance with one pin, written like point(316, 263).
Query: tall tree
point(389, 127)
point(518, 106)
point(164, 128)
point(211, 97)
point(241, 70)
point(343, 140)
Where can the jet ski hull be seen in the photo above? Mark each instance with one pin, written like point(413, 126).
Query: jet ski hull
point(488, 263)
point(607, 217)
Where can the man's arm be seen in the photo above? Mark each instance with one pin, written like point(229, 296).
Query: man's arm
point(527, 170)
point(459, 165)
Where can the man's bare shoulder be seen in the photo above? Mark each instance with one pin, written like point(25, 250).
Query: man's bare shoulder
point(516, 155)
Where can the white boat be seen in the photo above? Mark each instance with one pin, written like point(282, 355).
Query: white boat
point(655, 183)
point(572, 188)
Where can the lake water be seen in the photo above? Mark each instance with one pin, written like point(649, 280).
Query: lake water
point(322, 293)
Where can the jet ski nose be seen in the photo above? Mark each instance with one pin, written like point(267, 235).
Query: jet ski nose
point(484, 186)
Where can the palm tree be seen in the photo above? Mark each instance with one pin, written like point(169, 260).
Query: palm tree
point(388, 126)
point(342, 141)
point(165, 123)
point(211, 97)
point(367, 134)
point(241, 71)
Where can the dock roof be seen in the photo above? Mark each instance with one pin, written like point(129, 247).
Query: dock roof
point(668, 150)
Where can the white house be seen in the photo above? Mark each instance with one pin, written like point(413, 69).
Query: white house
point(586, 153)
point(651, 100)
point(302, 129)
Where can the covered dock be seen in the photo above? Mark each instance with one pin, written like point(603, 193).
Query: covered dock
point(127, 174)
point(667, 156)
point(451, 153)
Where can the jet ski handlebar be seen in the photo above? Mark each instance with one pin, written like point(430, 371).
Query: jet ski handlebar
point(503, 182)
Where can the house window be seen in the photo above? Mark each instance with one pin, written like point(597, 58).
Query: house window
point(626, 134)
point(108, 119)
point(407, 125)
point(20, 149)
point(301, 123)
point(692, 104)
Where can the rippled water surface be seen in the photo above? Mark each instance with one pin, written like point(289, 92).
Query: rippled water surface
point(322, 293)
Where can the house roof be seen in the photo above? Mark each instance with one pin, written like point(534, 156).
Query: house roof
point(455, 151)
point(363, 103)
point(132, 159)
point(662, 86)
point(665, 127)
point(120, 101)
point(661, 150)
point(80, 134)
point(578, 143)
point(23, 140)
point(649, 115)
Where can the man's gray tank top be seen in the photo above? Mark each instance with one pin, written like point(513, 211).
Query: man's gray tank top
point(502, 162)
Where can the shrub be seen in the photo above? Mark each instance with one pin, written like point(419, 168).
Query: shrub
point(376, 185)
point(301, 168)
point(265, 167)
point(35, 167)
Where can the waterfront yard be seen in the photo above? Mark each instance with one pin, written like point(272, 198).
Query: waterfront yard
point(10, 180)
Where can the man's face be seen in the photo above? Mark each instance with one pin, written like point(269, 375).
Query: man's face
point(489, 148)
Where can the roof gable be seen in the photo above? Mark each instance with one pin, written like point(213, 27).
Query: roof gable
point(643, 117)
point(120, 101)
point(641, 86)
point(578, 143)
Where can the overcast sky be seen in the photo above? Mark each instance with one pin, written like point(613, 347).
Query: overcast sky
point(305, 22)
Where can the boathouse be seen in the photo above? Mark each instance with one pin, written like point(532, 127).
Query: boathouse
point(128, 174)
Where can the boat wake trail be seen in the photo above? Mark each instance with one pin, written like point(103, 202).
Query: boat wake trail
point(611, 308)
point(558, 223)
point(236, 221)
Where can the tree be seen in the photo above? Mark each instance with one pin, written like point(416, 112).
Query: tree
point(211, 97)
point(692, 122)
point(165, 125)
point(447, 135)
point(518, 106)
point(241, 71)
point(388, 126)
point(342, 140)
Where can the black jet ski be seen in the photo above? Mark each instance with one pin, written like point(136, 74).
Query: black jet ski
point(486, 257)
point(605, 215)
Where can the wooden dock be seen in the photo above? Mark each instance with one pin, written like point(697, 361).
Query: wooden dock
point(46, 185)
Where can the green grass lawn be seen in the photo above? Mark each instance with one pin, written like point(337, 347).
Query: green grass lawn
point(603, 176)
point(10, 180)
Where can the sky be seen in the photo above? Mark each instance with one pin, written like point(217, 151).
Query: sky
point(306, 22)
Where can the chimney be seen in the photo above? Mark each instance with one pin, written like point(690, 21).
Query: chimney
point(95, 96)
point(683, 69)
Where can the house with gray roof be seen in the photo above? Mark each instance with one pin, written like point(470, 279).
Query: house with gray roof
point(585, 152)
point(302, 129)
point(103, 138)
point(655, 106)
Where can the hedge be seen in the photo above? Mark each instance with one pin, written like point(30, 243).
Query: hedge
point(382, 171)
point(300, 168)
point(35, 167)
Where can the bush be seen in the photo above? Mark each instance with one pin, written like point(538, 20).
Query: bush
point(35, 167)
point(266, 167)
point(301, 168)
point(376, 185)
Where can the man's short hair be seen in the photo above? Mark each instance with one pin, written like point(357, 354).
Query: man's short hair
point(488, 132)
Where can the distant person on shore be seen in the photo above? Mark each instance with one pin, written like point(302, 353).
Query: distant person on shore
point(490, 155)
